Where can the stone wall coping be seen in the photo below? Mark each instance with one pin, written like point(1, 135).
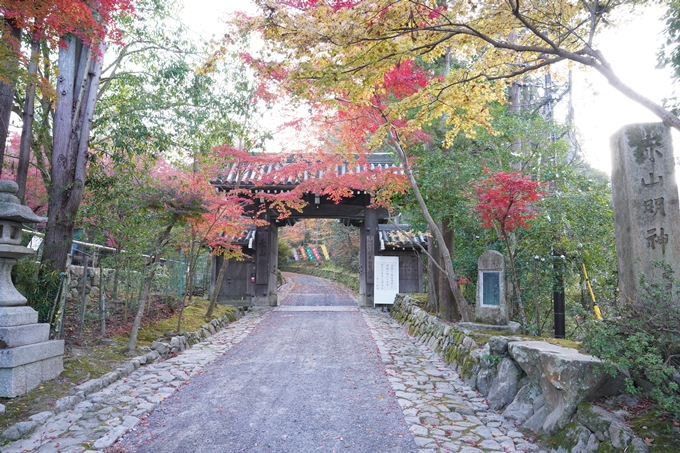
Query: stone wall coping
point(560, 351)
point(512, 327)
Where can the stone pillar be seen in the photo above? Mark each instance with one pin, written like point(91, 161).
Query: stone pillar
point(646, 212)
point(368, 246)
point(490, 305)
point(27, 356)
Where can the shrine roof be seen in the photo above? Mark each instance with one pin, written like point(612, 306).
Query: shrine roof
point(254, 176)
point(399, 237)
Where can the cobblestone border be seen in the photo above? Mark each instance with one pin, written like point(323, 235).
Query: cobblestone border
point(496, 376)
point(159, 350)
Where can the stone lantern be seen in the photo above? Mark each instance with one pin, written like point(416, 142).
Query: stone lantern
point(27, 356)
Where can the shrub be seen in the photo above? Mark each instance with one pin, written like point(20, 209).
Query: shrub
point(644, 338)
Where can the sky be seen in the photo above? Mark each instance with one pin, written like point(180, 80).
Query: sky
point(599, 109)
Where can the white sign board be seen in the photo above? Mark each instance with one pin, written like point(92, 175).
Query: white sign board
point(35, 243)
point(386, 279)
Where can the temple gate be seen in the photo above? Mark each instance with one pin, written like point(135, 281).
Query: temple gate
point(253, 281)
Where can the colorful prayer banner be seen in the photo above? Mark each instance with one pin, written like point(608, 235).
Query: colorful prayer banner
point(303, 253)
point(309, 254)
point(295, 255)
point(316, 253)
point(325, 252)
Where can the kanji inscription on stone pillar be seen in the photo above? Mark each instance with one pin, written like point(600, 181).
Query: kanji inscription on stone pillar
point(646, 212)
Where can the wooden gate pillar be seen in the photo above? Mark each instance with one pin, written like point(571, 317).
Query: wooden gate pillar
point(266, 265)
point(368, 246)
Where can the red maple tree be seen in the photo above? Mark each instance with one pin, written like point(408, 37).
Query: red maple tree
point(55, 18)
point(505, 202)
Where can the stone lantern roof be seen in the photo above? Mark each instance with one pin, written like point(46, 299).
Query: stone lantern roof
point(12, 209)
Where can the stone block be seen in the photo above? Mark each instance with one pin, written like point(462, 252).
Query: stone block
point(162, 348)
point(574, 438)
point(11, 337)
point(620, 435)
point(637, 445)
point(536, 421)
point(17, 316)
point(12, 382)
point(522, 407)
point(24, 378)
point(52, 367)
point(66, 403)
point(22, 355)
point(41, 417)
point(110, 437)
point(504, 387)
point(595, 418)
point(498, 345)
point(33, 375)
point(565, 376)
point(12, 433)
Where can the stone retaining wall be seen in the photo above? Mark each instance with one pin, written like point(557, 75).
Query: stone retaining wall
point(540, 385)
point(159, 350)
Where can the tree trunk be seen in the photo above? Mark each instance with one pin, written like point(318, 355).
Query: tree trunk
point(42, 146)
point(190, 282)
point(116, 274)
point(27, 129)
point(447, 308)
point(515, 283)
point(102, 302)
point(448, 265)
point(218, 286)
point(129, 291)
point(432, 279)
point(132, 344)
point(83, 296)
point(12, 39)
point(79, 72)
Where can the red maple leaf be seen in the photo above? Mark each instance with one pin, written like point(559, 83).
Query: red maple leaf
point(505, 200)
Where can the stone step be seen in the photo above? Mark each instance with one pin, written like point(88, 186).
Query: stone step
point(17, 316)
point(11, 337)
point(22, 355)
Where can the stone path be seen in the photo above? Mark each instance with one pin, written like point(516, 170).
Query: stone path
point(440, 411)
point(444, 414)
point(105, 416)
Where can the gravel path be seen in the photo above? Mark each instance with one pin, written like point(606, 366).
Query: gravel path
point(303, 381)
point(315, 374)
point(308, 291)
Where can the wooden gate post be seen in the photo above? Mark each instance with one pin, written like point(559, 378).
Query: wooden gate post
point(368, 246)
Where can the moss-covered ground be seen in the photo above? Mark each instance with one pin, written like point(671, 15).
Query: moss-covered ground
point(660, 432)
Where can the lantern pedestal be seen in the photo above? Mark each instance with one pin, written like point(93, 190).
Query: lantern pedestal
point(27, 356)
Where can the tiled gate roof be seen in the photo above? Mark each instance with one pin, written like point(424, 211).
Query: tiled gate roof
point(265, 175)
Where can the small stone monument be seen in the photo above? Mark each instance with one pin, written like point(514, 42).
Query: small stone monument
point(490, 305)
point(646, 211)
point(27, 356)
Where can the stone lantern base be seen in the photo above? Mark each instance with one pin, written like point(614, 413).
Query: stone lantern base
point(27, 357)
